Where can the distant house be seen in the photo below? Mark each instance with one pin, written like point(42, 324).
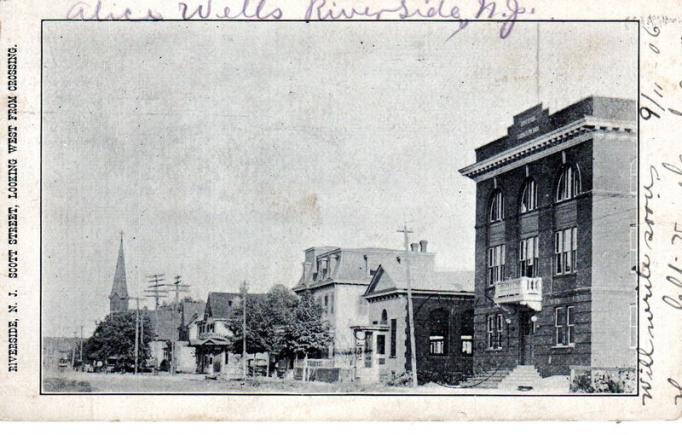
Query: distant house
point(443, 305)
point(213, 339)
point(337, 278)
point(167, 326)
point(59, 352)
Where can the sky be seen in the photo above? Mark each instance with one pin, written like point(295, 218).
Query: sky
point(222, 150)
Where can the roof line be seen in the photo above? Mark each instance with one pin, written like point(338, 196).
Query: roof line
point(587, 124)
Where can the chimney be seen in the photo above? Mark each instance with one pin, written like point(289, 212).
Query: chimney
point(414, 247)
point(422, 244)
point(307, 271)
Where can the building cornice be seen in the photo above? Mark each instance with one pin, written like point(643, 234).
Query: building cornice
point(416, 292)
point(549, 143)
point(327, 283)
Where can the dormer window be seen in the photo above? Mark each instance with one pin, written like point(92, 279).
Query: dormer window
point(568, 186)
point(325, 268)
point(496, 206)
point(529, 196)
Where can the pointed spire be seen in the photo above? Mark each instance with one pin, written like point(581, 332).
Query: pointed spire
point(120, 287)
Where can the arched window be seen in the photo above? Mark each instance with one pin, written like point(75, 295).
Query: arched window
point(529, 196)
point(384, 317)
point(496, 206)
point(569, 183)
point(438, 336)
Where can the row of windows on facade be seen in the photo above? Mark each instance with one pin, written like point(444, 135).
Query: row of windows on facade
point(205, 328)
point(565, 255)
point(438, 334)
point(328, 265)
point(564, 328)
point(326, 302)
point(568, 187)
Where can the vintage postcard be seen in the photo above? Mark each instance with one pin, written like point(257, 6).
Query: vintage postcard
point(341, 210)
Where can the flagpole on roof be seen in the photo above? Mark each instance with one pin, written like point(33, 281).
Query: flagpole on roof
point(537, 61)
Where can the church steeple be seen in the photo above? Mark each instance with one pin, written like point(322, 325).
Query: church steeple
point(118, 299)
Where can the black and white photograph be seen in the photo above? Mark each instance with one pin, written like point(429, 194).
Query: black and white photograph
point(339, 208)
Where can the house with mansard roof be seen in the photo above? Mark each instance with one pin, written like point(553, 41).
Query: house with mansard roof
point(337, 278)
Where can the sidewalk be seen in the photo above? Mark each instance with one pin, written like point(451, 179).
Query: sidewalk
point(197, 383)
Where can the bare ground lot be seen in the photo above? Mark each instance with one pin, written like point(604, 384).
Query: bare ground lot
point(77, 382)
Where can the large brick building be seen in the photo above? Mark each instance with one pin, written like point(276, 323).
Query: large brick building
point(556, 240)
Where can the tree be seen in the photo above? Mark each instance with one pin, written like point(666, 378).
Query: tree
point(282, 324)
point(307, 333)
point(266, 317)
point(115, 338)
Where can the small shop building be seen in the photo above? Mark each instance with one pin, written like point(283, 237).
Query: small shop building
point(443, 312)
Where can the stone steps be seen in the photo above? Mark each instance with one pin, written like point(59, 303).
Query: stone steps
point(521, 376)
point(505, 379)
point(487, 379)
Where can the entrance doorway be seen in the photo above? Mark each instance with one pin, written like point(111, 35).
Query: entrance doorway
point(526, 331)
point(370, 349)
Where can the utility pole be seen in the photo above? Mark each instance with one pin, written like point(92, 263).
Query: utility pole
point(156, 287)
point(178, 288)
point(243, 289)
point(73, 351)
point(156, 290)
point(137, 325)
point(81, 347)
point(137, 328)
point(142, 336)
point(94, 362)
point(410, 311)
